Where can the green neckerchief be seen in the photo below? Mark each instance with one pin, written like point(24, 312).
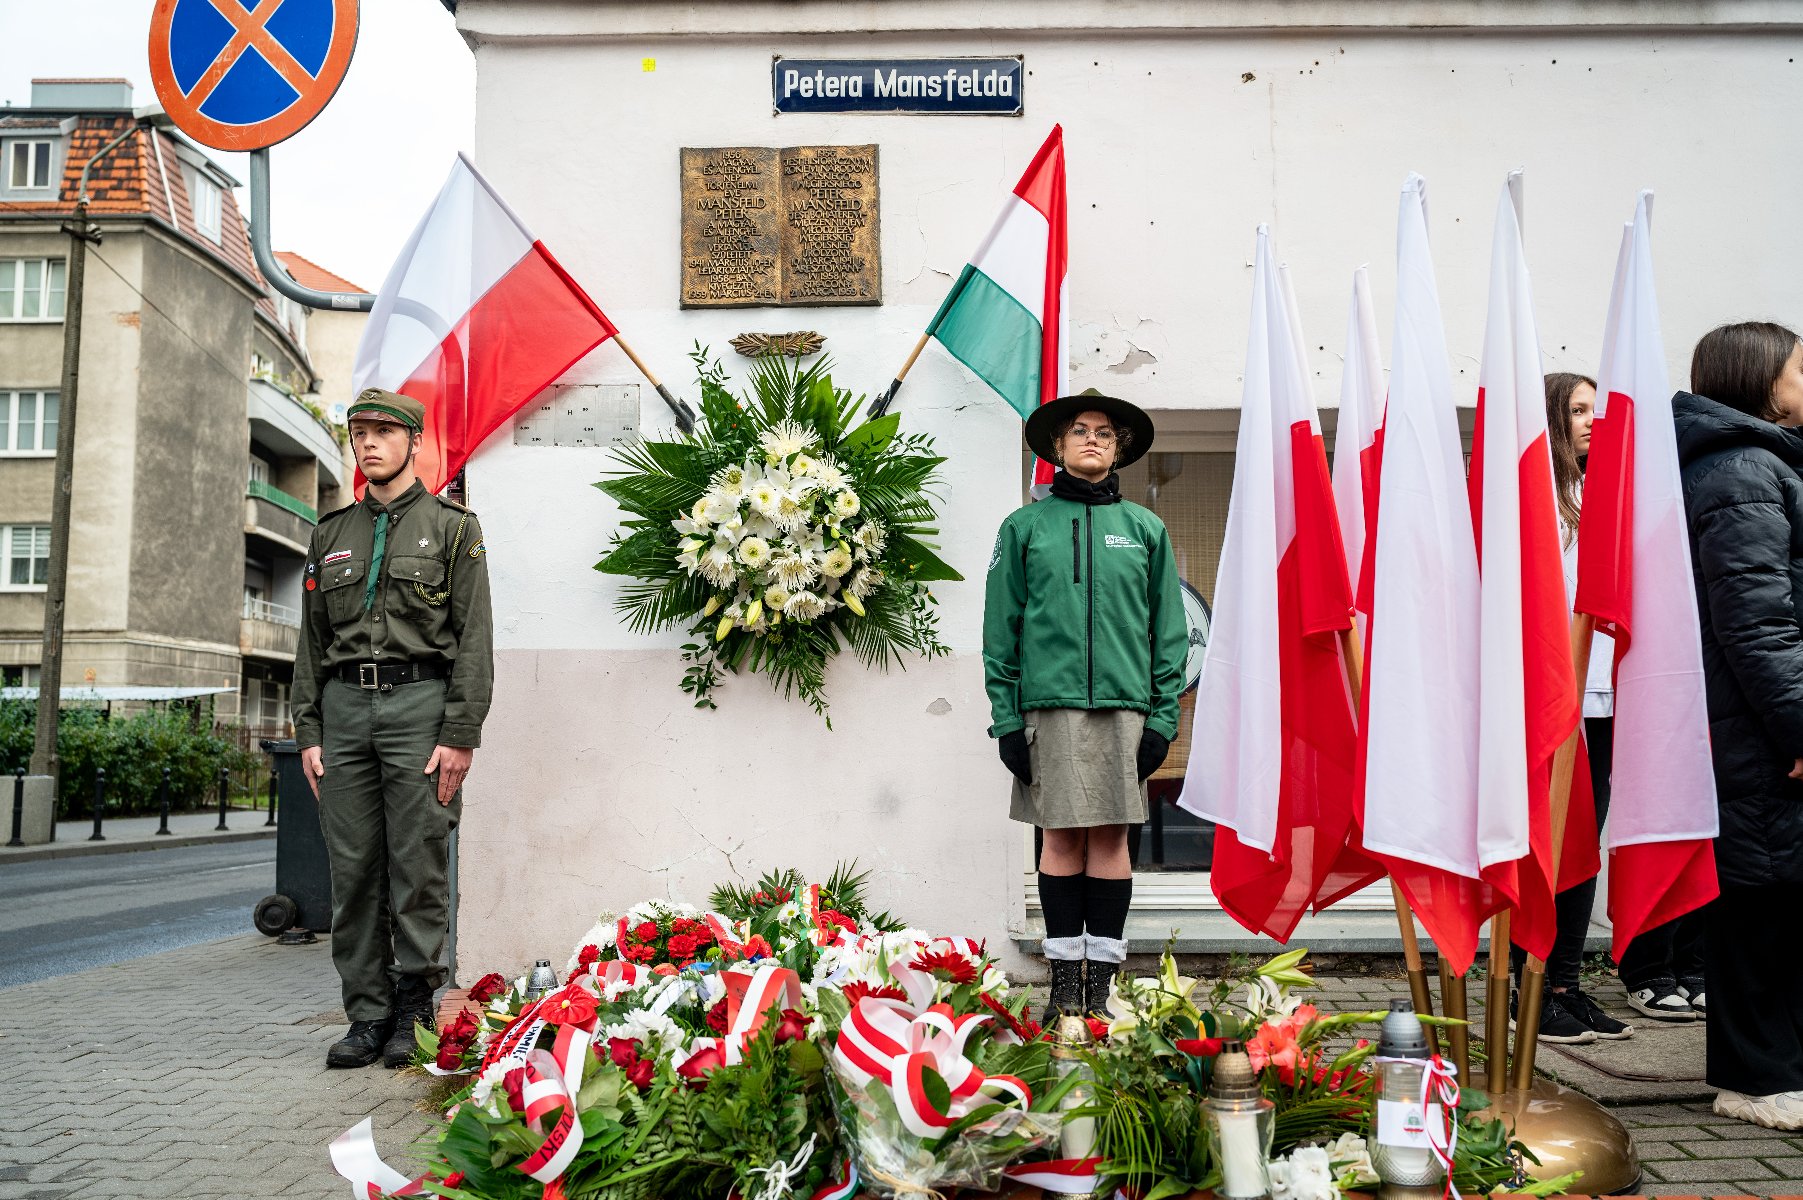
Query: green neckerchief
point(375, 561)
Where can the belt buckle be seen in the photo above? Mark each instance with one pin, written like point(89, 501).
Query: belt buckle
point(366, 676)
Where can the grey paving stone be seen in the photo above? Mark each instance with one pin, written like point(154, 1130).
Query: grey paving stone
point(1737, 1148)
point(1702, 1173)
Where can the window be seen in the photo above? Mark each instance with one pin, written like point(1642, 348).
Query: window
point(205, 203)
point(260, 366)
point(25, 676)
point(31, 289)
point(28, 165)
point(28, 422)
point(259, 470)
point(27, 550)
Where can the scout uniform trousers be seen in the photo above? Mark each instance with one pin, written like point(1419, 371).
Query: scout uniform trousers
point(388, 838)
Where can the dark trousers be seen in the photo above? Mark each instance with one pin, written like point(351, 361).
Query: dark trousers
point(1573, 905)
point(1673, 950)
point(1753, 957)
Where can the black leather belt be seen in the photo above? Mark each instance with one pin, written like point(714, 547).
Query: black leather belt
point(374, 677)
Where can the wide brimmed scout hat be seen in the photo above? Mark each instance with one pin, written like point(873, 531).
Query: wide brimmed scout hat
point(1131, 417)
point(375, 404)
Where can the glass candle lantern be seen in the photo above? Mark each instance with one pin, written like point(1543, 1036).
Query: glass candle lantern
point(1401, 1152)
point(1077, 1137)
point(542, 980)
point(1240, 1121)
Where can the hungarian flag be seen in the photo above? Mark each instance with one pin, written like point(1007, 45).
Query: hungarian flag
point(1273, 755)
point(474, 319)
point(1527, 694)
point(1419, 738)
point(1007, 316)
point(1358, 436)
point(1634, 577)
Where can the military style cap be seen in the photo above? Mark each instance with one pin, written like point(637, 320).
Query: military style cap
point(377, 404)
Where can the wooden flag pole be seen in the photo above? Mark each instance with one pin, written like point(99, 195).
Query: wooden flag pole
point(1565, 761)
point(685, 416)
point(1496, 1006)
point(888, 397)
point(1419, 994)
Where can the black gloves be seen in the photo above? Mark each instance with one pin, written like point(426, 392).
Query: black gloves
point(1013, 749)
point(1153, 746)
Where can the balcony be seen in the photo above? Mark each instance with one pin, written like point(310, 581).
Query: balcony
point(268, 630)
point(277, 517)
point(283, 424)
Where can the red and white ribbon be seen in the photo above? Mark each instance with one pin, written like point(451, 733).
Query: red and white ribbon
point(890, 1042)
point(842, 1187)
point(726, 933)
point(751, 992)
point(1439, 1089)
point(1066, 1176)
point(354, 1157)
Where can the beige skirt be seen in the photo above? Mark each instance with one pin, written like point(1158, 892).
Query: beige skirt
point(1085, 769)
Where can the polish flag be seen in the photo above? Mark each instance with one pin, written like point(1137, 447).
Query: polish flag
point(1634, 577)
point(1419, 738)
point(1273, 753)
point(474, 319)
point(1527, 695)
point(1358, 437)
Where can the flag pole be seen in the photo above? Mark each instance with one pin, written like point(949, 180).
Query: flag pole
point(685, 416)
point(1496, 1006)
point(1533, 975)
point(888, 397)
point(1454, 1004)
point(1352, 656)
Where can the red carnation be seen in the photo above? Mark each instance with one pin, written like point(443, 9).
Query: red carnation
point(682, 946)
point(623, 1052)
point(454, 1179)
point(793, 1026)
point(586, 957)
point(946, 965)
point(703, 936)
point(640, 1073)
point(572, 1006)
point(488, 987)
point(646, 932)
point(858, 990)
point(681, 925)
point(716, 1017)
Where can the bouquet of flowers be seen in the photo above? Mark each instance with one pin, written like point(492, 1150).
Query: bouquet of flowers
point(778, 530)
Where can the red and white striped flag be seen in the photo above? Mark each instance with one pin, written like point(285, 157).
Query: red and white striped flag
point(1358, 436)
point(1419, 738)
point(1273, 754)
point(1528, 697)
point(474, 319)
point(1634, 576)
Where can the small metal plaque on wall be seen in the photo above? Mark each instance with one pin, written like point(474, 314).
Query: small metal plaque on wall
point(790, 227)
point(581, 414)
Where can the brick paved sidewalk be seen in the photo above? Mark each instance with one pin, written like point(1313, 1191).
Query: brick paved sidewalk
point(197, 1073)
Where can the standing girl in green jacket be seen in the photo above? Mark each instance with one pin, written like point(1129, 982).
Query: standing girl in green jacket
point(1084, 642)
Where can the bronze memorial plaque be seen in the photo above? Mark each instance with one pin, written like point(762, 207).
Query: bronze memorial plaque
point(791, 227)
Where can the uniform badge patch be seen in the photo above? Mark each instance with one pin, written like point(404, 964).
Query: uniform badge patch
point(311, 583)
point(424, 542)
point(335, 556)
point(478, 549)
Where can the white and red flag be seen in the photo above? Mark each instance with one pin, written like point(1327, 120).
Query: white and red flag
point(1634, 577)
point(474, 319)
point(1358, 435)
point(1273, 755)
point(1007, 317)
point(1419, 737)
point(1528, 698)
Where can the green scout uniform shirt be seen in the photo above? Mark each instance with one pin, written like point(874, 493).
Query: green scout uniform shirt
point(425, 601)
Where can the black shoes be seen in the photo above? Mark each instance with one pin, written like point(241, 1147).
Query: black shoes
point(412, 1006)
point(1067, 990)
point(362, 1045)
point(1096, 982)
point(1581, 1005)
point(1662, 1000)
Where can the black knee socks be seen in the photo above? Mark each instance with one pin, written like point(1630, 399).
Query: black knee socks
point(1061, 900)
point(1105, 905)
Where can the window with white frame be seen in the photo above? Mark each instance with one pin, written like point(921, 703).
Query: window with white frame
point(24, 676)
point(27, 550)
point(28, 165)
point(28, 422)
point(204, 200)
point(31, 289)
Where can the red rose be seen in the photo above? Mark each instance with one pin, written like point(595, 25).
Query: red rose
point(572, 1006)
point(1098, 1029)
point(623, 1051)
point(488, 987)
point(646, 932)
point(464, 1027)
point(716, 1017)
point(450, 1055)
point(586, 957)
point(793, 1026)
point(639, 1075)
point(514, 1085)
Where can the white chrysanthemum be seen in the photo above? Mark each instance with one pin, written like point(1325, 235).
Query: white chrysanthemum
point(486, 1083)
point(775, 597)
point(846, 504)
point(866, 581)
point(872, 536)
point(803, 465)
point(716, 566)
point(791, 511)
point(804, 606)
point(828, 474)
point(754, 552)
point(793, 570)
point(765, 496)
point(656, 1030)
point(837, 561)
point(729, 481)
point(784, 439)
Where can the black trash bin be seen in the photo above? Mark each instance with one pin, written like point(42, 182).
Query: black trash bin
point(303, 874)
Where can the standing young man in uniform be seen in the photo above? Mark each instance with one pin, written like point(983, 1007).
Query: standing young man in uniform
point(391, 683)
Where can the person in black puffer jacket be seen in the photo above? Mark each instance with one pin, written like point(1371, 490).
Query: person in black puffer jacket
point(1742, 463)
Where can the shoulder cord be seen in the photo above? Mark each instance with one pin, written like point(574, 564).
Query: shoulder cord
point(437, 598)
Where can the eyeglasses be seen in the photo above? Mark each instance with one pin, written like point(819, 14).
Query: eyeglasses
point(1103, 437)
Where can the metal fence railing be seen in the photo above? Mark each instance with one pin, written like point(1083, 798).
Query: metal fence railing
point(269, 610)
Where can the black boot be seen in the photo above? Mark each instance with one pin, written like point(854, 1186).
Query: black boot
point(412, 1006)
point(362, 1045)
point(1067, 990)
point(1097, 980)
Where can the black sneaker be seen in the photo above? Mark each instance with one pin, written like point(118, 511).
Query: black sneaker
point(412, 1006)
point(1692, 991)
point(1661, 1000)
point(1558, 1023)
point(362, 1045)
point(1584, 1007)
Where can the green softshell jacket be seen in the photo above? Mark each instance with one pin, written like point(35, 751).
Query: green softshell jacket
point(1083, 611)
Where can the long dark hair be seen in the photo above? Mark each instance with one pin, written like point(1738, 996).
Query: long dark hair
point(1737, 365)
point(1568, 480)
